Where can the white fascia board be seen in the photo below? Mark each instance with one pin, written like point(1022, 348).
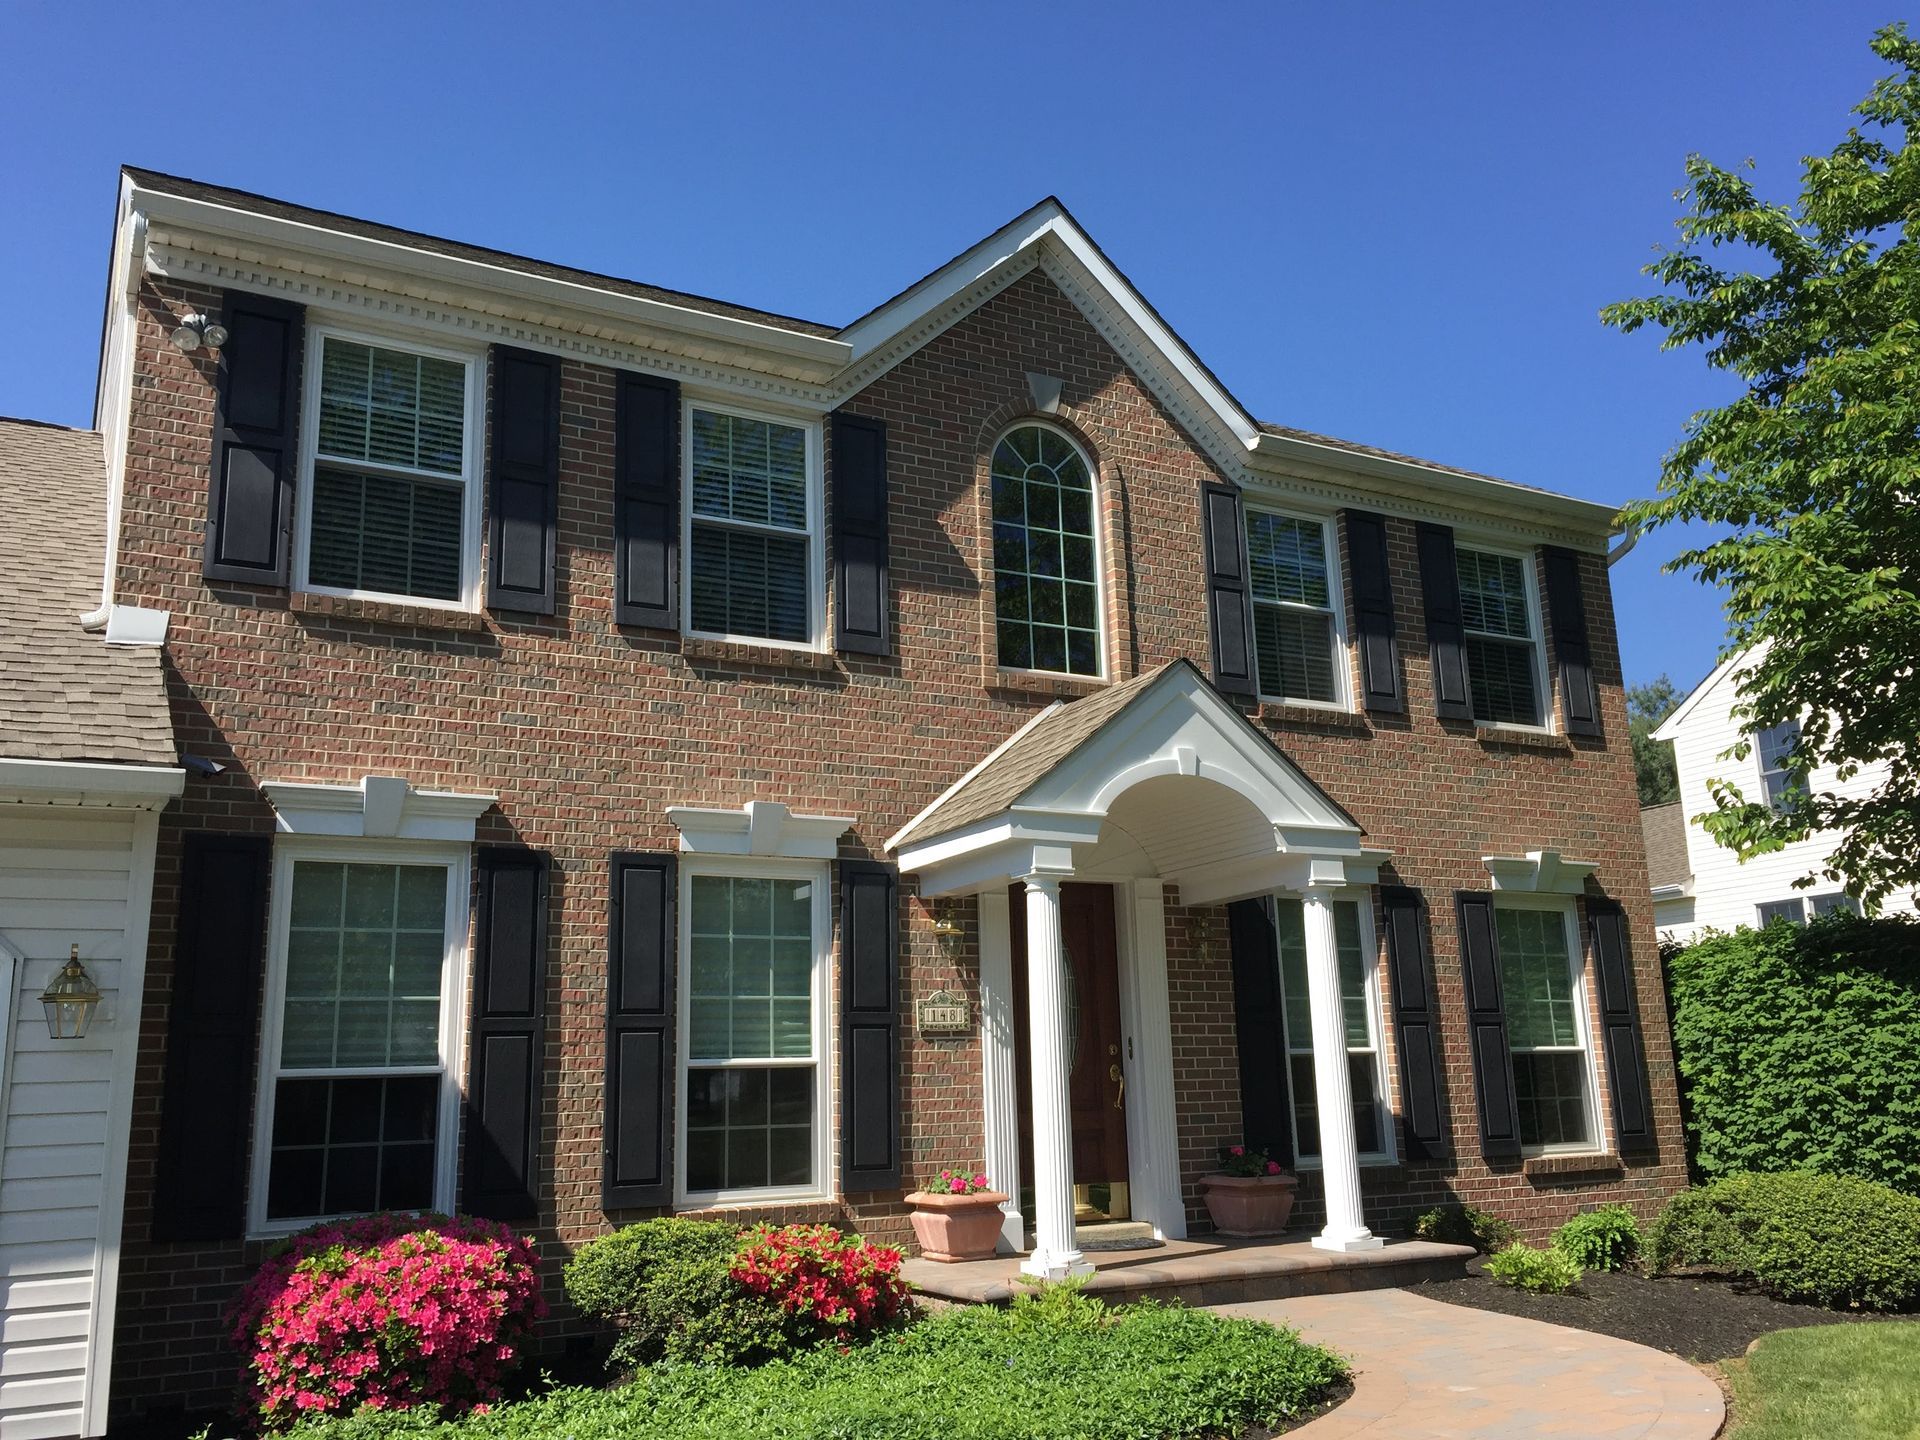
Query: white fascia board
point(825, 354)
point(760, 827)
point(1412, 481)
point(1027, 828)
point(89, 783)
point(380, 807)
point(1670, 728)
point(1679, 891)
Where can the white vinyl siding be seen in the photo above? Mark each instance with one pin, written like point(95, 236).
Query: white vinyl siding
point(753, 527)
point(388, 498)
point(1297, 634)
point(1499, 614)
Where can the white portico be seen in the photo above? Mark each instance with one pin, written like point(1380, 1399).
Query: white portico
point(1155, 782)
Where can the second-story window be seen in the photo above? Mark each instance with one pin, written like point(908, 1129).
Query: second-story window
point(389, 510)
point(751, 527)
point(1045, 562)
point(1296, 632)
point(1503, 648)
point(1775, 744)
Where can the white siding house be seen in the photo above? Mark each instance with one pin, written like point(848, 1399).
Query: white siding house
point(1715, 890)
point(86, 764)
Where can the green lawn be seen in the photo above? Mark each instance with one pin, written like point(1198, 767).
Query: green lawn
point(1837, 1382)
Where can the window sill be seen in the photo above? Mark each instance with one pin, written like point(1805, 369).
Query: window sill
point(1522, 737)
point(1043, 682)
point(742, 652)
point(385, 612)
point(1553, 1167)
point(1281, 712)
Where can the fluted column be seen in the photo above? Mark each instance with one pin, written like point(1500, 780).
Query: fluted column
point(1054, 1255)
point(1000, 1074)
point(1339, 1152)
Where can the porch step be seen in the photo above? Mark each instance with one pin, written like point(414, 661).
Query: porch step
point(1110, 1235)
point(1206, 1272)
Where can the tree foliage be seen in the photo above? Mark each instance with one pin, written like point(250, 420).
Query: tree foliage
point(1653, 767)
point(1811, 479)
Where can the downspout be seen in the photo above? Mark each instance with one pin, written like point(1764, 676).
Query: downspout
point(116, 408)
point(1621, 551)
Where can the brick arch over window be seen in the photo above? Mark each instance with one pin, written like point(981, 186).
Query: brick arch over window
point(1116, 648)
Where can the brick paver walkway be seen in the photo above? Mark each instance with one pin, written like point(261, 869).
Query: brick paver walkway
point(1425, 1370)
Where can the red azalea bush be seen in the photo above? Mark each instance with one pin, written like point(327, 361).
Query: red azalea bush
point(387, 1312)
point(832, 1286)
point(1247, 1161)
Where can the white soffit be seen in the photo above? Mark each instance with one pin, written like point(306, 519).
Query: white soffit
point(89, 783)
point(1539, 872)
point(759, 827)
point(380, 807)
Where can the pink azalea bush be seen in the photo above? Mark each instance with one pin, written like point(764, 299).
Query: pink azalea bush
point(831, 1286)
point(387, 1312)
point(956, 1182)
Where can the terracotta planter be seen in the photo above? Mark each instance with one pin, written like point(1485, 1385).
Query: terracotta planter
point(952, 1228)
point(1247, 1205)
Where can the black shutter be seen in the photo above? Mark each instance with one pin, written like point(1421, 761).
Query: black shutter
point(1423, 1106)
point(1571, 653)
point(1260, 1028)
point(869, 1027)
point(646, 502)
point(860, 535)
point(524, 485)
point(507, 1055)
point(213, 1026)
point(1487, 1022)
point(641, 945)
point(256, 421)
point(1373, 613)
point(1229, 609)
point(1446, 634)
point(1620, 1021)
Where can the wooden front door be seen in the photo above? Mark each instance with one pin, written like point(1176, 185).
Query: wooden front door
point(1095, 1044)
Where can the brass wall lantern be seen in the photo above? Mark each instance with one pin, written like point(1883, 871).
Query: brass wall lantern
point(71, 1000)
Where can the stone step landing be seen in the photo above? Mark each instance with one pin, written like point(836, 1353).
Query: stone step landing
point(1206, 1271)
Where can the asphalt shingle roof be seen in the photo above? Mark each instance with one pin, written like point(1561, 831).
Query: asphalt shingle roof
point(1666, 831)
point(65, 694)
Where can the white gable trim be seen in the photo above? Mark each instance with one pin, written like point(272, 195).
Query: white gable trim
point(1731, 667)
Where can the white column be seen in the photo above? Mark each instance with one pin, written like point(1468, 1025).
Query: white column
point(1153, 1139)
point(1339, 1152)
point(1054, 1256)
point(999, 1081)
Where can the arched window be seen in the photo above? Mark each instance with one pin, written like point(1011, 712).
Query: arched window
point(1046, 570)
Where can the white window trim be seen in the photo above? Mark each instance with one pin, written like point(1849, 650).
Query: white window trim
point(1768, 796)
point(1542, 678)
point(822, 1062)
point(1362, 898)
point(816, 640)
point(1101, 604)
point(1577, 963)
point(1800, 903)
point(1336, 607)
point(454, 969)
point(470, 478)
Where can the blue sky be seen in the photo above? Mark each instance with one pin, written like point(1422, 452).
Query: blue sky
point(1389, 222)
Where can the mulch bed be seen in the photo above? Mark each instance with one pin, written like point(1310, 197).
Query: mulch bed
point(1695, 1318)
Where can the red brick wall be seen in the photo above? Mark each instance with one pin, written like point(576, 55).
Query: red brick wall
point(587, 732)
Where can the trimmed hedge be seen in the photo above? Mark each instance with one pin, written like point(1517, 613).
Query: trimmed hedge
point(1830, 1239)
point(1799, 1049)
point(1060, 1366)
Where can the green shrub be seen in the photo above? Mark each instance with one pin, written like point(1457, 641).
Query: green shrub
point(1831, 1239)
point(1799, 1049)
point(1466, 1225)
point(1542, 1271)
point(1060, 1365)
point(664, 1286)
point(1603, 1239)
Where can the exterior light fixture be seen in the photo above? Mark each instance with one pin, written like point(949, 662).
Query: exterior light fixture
point(196, 330)
point(70, 1000)
point(948, 931)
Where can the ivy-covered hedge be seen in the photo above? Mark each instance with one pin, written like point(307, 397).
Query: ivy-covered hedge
point(1799, 1049)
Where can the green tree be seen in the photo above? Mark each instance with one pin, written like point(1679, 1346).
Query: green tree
point(1647, 706)
point(1811, 479)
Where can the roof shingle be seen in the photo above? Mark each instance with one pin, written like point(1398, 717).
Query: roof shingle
point(65, 694)
point(1665, 827)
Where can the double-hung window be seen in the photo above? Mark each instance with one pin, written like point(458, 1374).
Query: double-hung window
point(1296, 624)
point(1777, 782)
point(1793, 911)
point(390, 503)
point(755, 1092)
point(1046, 566)
point(753, 527)
point(359, 1084)
point(1359, 1021)
point(1502, 638)
point(1553, 1078)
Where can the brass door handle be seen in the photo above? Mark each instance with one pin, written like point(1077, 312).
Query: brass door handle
point(1114, 1072)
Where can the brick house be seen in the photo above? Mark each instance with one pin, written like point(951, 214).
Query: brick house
point(632, 707)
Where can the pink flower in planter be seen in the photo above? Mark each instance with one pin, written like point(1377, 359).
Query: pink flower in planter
point(1236, 1150)
point(1273, 1167)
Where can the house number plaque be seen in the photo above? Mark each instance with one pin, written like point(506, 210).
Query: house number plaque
point(945, 1012)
